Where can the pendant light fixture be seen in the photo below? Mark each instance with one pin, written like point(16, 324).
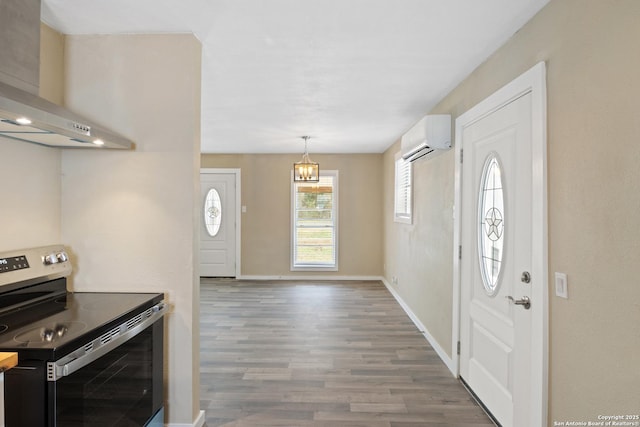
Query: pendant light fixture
point(305, 170)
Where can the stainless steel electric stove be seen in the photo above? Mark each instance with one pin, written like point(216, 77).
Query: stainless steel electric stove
point(85, 358)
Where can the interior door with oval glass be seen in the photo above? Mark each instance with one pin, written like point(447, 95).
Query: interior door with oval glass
point(495, 321)
point(218, 224)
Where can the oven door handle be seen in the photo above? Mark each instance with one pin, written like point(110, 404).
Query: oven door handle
point(97, 348)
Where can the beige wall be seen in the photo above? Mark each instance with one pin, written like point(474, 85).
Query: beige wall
point(418, 255)
point(266, 226)
point(593, 176)
point(30, 211)
point(129, 216)
point(31, 215)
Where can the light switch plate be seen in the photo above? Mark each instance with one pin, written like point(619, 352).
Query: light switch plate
point(561, 285)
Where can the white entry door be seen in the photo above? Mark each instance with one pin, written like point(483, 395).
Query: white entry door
point(500, 280)
point(218, 225)
point(496, 241)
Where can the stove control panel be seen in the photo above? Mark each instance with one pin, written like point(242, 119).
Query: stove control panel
point(13, 263)
point(24, 266)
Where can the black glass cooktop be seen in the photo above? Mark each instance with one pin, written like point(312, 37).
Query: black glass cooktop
point(61, 323)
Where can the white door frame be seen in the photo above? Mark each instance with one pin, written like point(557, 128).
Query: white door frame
point(236, 172)
point(532, 81)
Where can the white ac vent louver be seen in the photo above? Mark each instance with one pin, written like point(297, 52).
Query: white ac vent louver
point(432, 132)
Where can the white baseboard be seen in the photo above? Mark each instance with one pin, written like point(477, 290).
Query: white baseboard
point(307, 277)
point(199, 422)
point(423, 330)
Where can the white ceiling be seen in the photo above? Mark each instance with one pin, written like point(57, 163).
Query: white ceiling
point(352, 74)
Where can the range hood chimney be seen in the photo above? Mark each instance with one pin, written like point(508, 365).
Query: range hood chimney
point(24, 116)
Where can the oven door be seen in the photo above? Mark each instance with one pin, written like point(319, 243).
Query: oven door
point(121, 388)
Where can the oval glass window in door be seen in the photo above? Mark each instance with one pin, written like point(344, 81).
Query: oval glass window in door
point(491, 224)
point(212, 212)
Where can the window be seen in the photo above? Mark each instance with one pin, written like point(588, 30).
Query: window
point(402, 209)
point(315, 223)
point(491, 226)
point(212, 212)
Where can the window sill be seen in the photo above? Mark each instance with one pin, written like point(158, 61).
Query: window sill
point(315, 268)
point(402, 220)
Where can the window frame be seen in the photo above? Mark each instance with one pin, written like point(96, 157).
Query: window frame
point(335, 214)
point(403, 217)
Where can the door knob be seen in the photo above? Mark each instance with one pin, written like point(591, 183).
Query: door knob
point(524, 301)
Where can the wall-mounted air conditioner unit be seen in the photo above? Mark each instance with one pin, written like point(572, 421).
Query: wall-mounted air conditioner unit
point(431, 133)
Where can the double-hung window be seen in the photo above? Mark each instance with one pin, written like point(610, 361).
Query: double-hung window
point(402, 208)
point(315, 223)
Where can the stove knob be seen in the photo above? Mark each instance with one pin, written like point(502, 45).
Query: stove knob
point(62, 256)
point(47, 334)
point(52, 258)
point(60, 330)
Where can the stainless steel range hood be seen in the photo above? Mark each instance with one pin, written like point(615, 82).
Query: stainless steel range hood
point(24, 116)
point(29, 118)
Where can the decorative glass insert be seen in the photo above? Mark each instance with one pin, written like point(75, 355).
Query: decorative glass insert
point(212, 212)
point(491, 224)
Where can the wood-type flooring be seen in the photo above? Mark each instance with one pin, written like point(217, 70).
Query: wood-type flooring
point(321, 354)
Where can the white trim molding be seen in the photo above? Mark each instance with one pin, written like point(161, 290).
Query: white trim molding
point(198, 422)
point(532, 81)
point(310, 277)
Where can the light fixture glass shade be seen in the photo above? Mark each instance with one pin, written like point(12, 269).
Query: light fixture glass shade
point(306, 170)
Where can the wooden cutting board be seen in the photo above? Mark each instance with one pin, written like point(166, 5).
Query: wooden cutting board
point(8, 361)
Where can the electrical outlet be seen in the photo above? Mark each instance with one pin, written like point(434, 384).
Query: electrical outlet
point(394, 281)
point(562, 290)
